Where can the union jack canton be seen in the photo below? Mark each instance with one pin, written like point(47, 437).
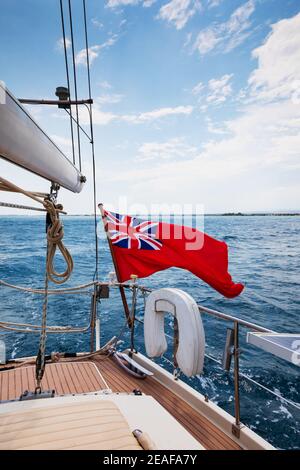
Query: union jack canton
point(130, 232)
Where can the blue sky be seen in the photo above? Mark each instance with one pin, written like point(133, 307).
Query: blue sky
point(196, 101)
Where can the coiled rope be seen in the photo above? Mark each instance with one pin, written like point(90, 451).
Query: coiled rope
point(55, 357)
point(6, 185)
point(55, 232)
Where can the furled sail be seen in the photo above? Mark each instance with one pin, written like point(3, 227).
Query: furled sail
point(24, 143)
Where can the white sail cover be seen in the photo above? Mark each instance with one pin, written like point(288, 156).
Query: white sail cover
point(24, 143)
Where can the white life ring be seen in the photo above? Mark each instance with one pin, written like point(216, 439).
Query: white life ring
point(191, 348)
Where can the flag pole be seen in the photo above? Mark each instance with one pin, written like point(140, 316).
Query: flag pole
point(121, 288)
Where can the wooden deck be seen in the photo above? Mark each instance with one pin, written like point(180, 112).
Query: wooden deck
point(200, 427)
point(102, 373)
point(63, 377)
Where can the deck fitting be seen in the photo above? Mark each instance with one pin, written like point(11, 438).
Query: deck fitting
point(236, 430)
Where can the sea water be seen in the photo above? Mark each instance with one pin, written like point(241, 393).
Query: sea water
point(264, 254)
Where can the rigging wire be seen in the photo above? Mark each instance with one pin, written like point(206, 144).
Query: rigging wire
point(90, 109)
point(80, 127)
point(245, 376)
point(68, 76)
point(75, 82)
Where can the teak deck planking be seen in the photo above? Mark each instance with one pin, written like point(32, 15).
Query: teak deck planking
point(102, 373)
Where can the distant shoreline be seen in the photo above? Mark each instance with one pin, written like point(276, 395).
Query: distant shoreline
point(225, 214)
point(254, 214)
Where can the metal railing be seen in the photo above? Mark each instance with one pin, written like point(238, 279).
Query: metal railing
point(235, 353)
point(91, 289)
point(237, 322)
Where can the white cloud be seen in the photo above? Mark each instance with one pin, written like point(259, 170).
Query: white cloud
point(262, 141)
point(217, 90)
point(158, 114)
point(272, 133)
point(110, 42)
point(148, 3)
point(254, 160)
point(97, 23)
point(60, 43)
point(101, 117)
point(81, 59)
point(179, 11)
point(229, 34)
point(250, 162)
point(278, 73)
point(213, 128)
point(118, 3)
point(105, 85)
point(110, 98)
point(188, 39)
point(198, 88)
point(213, 3)
point(207, 40)
point(94, 51)
point(172, 149)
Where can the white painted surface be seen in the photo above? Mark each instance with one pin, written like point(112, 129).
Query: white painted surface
point(248, 439)
point(191, 337)
point(24, 143)
point(283, 345)
point(141, 412)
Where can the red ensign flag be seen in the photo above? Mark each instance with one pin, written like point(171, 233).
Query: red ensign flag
point(145, 247)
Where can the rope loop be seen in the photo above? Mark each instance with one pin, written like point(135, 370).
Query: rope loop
point(55, 234)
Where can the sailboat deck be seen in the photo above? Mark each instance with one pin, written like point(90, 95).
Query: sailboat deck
point(64, 377)
point(205, 432)
point(101, 373)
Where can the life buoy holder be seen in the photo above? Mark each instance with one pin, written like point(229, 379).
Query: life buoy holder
point(191, 344)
